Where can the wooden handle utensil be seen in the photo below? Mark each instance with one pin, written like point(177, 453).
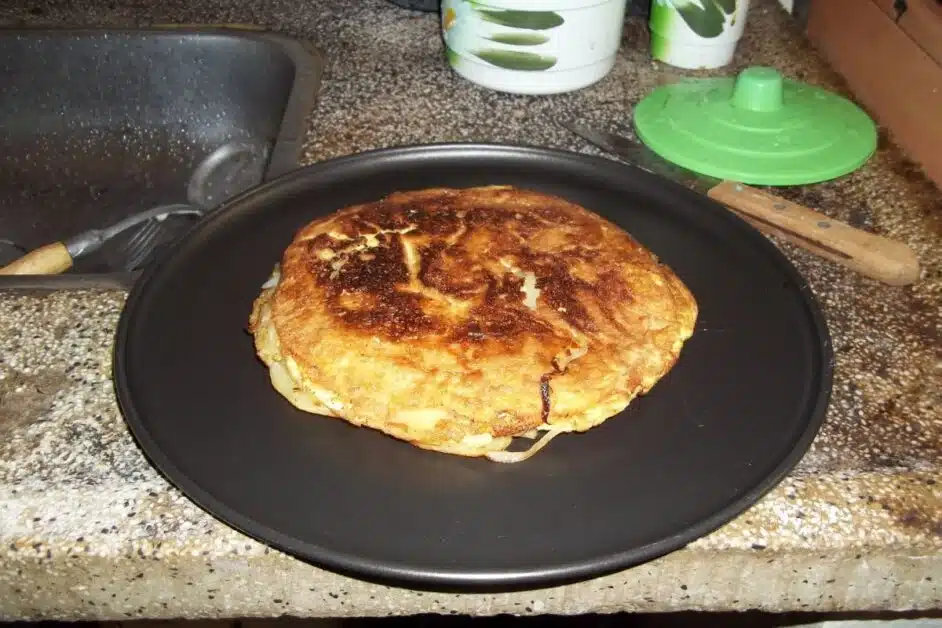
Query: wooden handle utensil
point(871, 255)
point(875, 256)
point(46, 260)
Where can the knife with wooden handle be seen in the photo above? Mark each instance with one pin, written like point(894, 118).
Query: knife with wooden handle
point(874, 256)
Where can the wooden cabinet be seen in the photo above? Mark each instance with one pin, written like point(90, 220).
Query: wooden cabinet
point(893, 66)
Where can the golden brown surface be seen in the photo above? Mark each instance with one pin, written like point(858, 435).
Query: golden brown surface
point(457, 319)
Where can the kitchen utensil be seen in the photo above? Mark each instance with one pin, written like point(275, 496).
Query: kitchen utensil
point(871, 255)
point(512, 46)
point(756, 128)
point(729, 421)
point(696, 34)
point(141, 243)
point(59, 256)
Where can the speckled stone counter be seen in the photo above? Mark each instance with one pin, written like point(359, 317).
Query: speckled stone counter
point(89, 530)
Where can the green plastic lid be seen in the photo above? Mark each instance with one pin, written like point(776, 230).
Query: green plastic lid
point(756, 128)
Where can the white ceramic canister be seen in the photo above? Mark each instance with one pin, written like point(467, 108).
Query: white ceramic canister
point(532, 46)
point(696, 34)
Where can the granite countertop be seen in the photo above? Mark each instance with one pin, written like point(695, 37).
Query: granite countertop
point(89, 530)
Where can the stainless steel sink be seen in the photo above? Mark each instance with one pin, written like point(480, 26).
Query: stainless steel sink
point(98, 124)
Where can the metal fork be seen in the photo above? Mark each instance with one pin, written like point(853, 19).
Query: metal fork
point(140, 245)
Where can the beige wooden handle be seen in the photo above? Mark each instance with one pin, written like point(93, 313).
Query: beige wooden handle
point(871, 255)
point(46, 260)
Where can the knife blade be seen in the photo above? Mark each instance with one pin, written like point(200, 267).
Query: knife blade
point(874, 256)
point(640, 156)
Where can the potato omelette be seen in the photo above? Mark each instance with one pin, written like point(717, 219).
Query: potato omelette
point(460, 319)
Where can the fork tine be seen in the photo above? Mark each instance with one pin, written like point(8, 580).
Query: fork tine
point(140, 237)
point(145, 244)
point(137, 236)
point(138, 247)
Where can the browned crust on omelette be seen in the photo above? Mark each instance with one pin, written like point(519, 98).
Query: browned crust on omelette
point(459, 318)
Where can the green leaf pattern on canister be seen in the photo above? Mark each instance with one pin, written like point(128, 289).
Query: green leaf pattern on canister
point(516, 59)
point(706, 18)
point(519, 39)
point(498, 37)
point(529, 20)
point(696, 33)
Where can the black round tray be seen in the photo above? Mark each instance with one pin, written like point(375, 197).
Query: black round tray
point(728, 422)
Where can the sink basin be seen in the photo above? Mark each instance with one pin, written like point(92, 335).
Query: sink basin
point(98, 124)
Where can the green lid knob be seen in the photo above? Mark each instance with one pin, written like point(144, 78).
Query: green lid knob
point(758, 89)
